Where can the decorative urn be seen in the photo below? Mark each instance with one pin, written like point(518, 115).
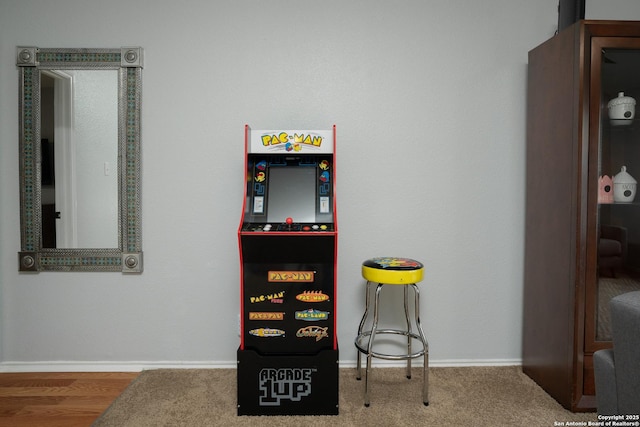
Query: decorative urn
point(622, 109)
point(624, 187)
point(605, 189)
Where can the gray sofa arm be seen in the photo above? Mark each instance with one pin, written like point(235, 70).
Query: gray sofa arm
point(625, 318)
point(605, 375)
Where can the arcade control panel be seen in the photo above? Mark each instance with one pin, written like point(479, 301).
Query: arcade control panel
point(287, 226)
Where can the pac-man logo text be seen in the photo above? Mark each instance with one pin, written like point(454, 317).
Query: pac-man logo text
point(275, 298)
point(291, 276)
point(311, 315)
point(266, 315)
point(312, 296)
point(296, 138)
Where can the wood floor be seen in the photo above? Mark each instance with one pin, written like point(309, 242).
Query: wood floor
point(56, 399)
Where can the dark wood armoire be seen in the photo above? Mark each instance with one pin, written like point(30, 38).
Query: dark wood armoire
point(582, 244)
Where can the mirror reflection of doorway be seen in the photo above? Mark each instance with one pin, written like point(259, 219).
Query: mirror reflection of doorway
point(57, 162)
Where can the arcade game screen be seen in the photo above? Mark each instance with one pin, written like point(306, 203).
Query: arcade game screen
point(292, 194)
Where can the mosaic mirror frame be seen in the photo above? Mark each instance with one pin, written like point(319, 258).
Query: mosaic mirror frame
point(33, 257)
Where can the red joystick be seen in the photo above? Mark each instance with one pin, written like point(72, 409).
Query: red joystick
point(289, 220)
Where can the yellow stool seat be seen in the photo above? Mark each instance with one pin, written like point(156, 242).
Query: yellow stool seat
point(392, 271)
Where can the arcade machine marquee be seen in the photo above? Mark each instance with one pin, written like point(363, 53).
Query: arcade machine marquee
point(288, 354)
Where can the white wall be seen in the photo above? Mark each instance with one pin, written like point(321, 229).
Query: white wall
point(429, 103)
point(611, 9)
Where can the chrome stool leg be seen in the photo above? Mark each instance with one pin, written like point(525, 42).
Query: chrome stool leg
point(374, 328)
point(408, 329)
point(361, 327)
point(425, 344)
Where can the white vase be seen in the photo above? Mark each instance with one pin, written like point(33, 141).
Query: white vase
point(624, 187)
point(622, 109)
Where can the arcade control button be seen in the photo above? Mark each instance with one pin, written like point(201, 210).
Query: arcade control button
point(323, 227)
point(315, 226)
point(289, 222)
point(306, 228)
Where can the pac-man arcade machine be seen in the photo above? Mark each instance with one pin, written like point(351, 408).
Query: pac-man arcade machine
point(288, 354)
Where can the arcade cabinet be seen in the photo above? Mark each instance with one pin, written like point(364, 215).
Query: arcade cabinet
point(288, 236)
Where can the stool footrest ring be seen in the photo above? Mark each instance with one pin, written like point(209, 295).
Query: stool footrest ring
point(362, 347)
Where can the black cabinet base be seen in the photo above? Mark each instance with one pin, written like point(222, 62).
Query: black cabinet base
point(305, 384)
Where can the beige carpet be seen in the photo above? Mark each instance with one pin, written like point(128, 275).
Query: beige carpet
point(470, 396)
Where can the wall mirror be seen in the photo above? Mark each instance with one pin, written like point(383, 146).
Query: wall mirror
point(80, 159)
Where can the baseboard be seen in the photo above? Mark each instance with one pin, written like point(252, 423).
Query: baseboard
point(137, 366)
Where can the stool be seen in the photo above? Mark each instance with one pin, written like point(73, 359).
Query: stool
point(392, 271)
